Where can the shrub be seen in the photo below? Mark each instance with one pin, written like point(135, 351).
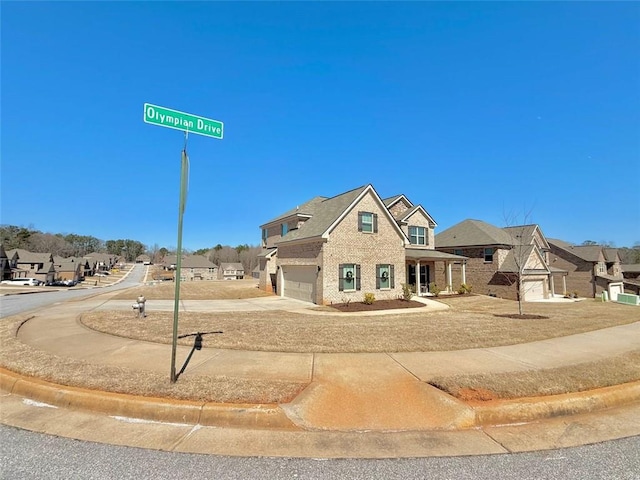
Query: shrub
point(433, 288)
point(369, 298)
point(407, 292)
point(464, 288)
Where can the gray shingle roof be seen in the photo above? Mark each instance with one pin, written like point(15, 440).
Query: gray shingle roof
point(308, 208)
point(590, 253)
point(196, 261)
point(25, 256)
point(472, 233)
point(610, 254)
point(325, 213)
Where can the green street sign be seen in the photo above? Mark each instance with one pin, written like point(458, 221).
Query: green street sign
point(166, 117)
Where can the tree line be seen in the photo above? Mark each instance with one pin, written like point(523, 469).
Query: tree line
point(74, 245)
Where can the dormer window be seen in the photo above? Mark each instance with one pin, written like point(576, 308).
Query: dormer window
point(418, 235)
point(367, 222)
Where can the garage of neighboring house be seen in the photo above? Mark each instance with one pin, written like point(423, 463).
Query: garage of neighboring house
point(614, 290)
point(533, 290)
point(299, 282)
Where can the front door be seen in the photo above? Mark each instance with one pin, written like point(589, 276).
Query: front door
point(425, 275)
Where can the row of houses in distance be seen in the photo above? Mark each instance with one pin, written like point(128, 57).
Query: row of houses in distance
point(197, 267)
point(48, 268)
point(334, 249)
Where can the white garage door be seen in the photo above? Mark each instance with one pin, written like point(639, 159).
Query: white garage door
point(614, 290)
point(300, 282)
point(533, 290)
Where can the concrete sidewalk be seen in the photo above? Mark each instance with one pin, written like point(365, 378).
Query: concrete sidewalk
point(385, 395)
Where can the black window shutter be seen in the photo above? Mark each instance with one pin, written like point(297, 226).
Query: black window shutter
point(357, 277)
point(378, 277)
point(359, 221)
point(375, 223)
point(392, 281)
point(340, 277)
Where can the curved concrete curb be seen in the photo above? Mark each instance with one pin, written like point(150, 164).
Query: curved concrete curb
point(501, 412)
point(256, 416)
point(272, 416)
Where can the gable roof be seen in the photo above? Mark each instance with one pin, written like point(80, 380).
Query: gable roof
point(391, 201)
point(611, 254)
point(328, 212)
point(25, 256)
point(589, 253)
point(232, 265)
point(307, 209)
point(325, 213)
point(417, 208)
point(472, 233)
point(195, 261)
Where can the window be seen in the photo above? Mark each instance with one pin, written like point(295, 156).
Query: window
point(367, 222)
point(384, 277)
point(457, 251)
point(348, 277)
point(418, 235)
point(284, 229)
point(488, 255)
point(264, 237)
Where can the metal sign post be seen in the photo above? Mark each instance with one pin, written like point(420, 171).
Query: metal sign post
point(166, 117)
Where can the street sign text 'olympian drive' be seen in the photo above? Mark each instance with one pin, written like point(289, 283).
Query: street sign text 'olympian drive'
point(166, 117)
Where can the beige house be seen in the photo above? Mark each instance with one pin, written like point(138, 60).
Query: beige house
point(231, 271)
point(498, 258)
point(334, 250)
point(33, 265)
point(70, 268)
point(592, 268)
point(192, 267)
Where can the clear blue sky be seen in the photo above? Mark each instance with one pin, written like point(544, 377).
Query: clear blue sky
point(474, 110)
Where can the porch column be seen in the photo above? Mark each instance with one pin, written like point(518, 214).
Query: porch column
point(552, 285)
point(449, 278)
point(564, 284)
point(463, 271)
point(418, 291)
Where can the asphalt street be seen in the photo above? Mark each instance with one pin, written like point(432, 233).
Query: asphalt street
point(28, 455)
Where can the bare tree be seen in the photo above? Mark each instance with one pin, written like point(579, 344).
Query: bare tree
point(518, 228)
point(48, 243)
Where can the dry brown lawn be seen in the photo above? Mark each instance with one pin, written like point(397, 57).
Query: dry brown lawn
point(197, 290)
point(470, 323)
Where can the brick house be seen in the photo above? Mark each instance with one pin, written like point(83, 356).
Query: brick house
point(334, 250)
point(231, 271)
point(192, 267)
point(70, 268)
point(592, 268)
point(33, 265)
point(498, 257)
point(6, 265)
point(631, 274)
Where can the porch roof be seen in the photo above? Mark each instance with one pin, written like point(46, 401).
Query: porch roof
point(431, 255)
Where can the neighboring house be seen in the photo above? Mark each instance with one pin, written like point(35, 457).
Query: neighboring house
point(70, 268)
point(192, 267)
point(33, 265)
point(144, 259)
point(334, 250)
point(231, 271)
point(497, 258)
point(101, 261)
point(5, 265)
point(631, 274)
point(592, 268)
